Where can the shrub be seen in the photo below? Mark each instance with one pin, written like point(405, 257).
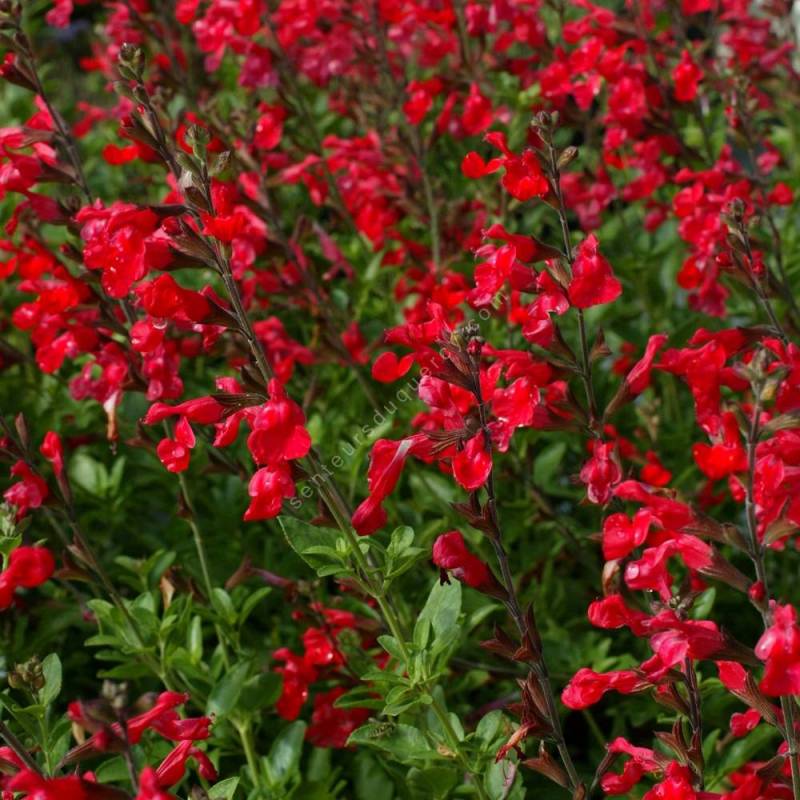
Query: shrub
point(400, 399)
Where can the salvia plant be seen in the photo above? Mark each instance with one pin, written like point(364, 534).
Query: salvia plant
point(400, 399)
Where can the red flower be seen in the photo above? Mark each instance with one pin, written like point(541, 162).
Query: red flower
point(472, 465)
point(119, 241)
point(744, 721)
point(725, 457)
point(267, 489)
point(779, 648)
point(686, 76)
point(36, 787)
point(601, 472)
point(638, 379)
point(654, 472)
point(593, 282)
point(523, 177)
point(473, 166)
point(477, 116)
point(650, 571)
point(53, 451)
point(149, 787)
point(269, 127)
point(172, 769)
point(29, 493)
point(677, 785)
point(165, 299)
point(279, 432)
point(587, 686)
point(175, 453)
point(202, 410)
point(388, 368)
point(622, 536)
point(450, 553)
point(386, 462)
point(27, 568)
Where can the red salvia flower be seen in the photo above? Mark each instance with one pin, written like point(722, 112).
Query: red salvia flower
point(27, 568)
point(450, 553)
point(593, 282)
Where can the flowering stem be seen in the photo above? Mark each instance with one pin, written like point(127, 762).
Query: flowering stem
point(64, 134)
point(538, 665)
point(756, 553)
point(396, 629)
point(417, 147)
point(585, 370)
point(695, 720)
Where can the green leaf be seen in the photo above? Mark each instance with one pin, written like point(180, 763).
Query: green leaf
point(548, 465)
point(224, 790)
point(744, 750)
point(284, 755)
point(223, 604)
point(441, 611)
point(371, 782)
point(403, 742)
point(433, 782)
point(194, 640)
point(260, 691)
point(303, 538)
point(489, 727)
point(402, 538)
point(225, 694)
point(51, 669)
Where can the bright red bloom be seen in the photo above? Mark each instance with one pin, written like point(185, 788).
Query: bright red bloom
point(621, 536)
point(388, 368)
point(743, 722)
point(172, 769)
point(642, 760)
point(269, 127)
point(472, 465)
point(477, 116)
point(779, 648)
point(29, 493)
point(119, 241)
point(601, 472)
point(27, 568)
point(385, 466)
point(52, 449)
point(725, 457)
point(279, 432)
point(202, 410)
point(650, 571)
point(638, 379)
point(686, 76)
point(298, 675)
point(593, 282)
point(450, 553)
point(164, 298)
point(149, 787)
point(175, 453)
point(268, 488)
point(587, 686)
point(523, 177)
point(36, 787)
